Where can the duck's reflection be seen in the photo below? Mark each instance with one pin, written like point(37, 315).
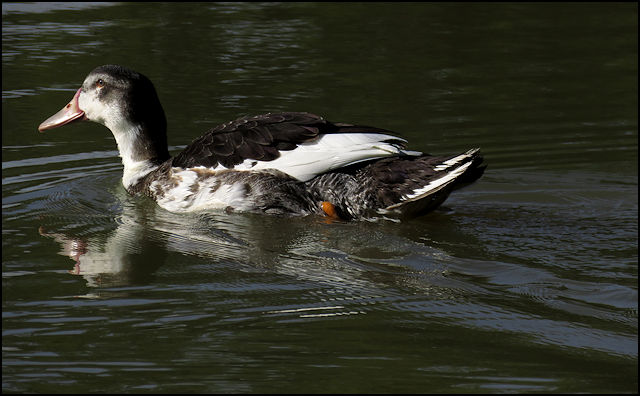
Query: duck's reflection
point(359, 259)
point(129, 250)
point(126, 256)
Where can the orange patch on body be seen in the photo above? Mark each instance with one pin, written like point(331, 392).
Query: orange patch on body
point(329, 209)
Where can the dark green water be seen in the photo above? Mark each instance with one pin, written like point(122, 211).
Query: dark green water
point(525, 282)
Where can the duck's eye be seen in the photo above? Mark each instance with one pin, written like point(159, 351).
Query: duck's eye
point(100, 83)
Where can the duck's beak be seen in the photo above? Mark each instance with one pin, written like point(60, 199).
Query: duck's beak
point(69, 113)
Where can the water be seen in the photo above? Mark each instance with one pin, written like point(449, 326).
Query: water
point(524, 282)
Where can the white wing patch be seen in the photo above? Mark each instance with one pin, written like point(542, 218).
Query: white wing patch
point(329, 152)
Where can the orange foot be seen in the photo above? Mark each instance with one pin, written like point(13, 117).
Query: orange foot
point(330, 210)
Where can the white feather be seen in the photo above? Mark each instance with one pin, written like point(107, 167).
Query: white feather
point(430, 188)
point(329, 152)
point(133, 170)
point(435, 184)
point(453, 161)
point(193, 193)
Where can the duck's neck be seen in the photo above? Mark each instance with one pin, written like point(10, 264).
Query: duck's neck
point(141, 149)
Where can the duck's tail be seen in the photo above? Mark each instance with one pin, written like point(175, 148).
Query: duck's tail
point(399, 187)
point(428, 181)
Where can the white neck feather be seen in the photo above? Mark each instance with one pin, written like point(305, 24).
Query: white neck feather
point(126, 137)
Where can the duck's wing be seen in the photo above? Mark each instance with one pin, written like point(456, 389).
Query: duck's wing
point(302, 145)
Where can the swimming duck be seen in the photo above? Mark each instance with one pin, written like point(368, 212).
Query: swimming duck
point(279, 163)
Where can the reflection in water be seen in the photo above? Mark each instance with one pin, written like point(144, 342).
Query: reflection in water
point(126, 257)
point(144, 235)
point(344, 269)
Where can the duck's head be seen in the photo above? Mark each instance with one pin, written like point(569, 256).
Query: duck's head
point(125, 102)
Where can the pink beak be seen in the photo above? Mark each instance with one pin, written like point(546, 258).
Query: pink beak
point(69, 113)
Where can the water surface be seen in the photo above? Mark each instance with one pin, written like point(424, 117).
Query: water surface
point(523, 282)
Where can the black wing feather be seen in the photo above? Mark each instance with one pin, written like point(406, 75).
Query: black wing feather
point(260, 137)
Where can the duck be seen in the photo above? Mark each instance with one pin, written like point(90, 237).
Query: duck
point(280, 163)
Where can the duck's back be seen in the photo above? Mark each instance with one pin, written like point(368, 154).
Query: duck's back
point(302, 145)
